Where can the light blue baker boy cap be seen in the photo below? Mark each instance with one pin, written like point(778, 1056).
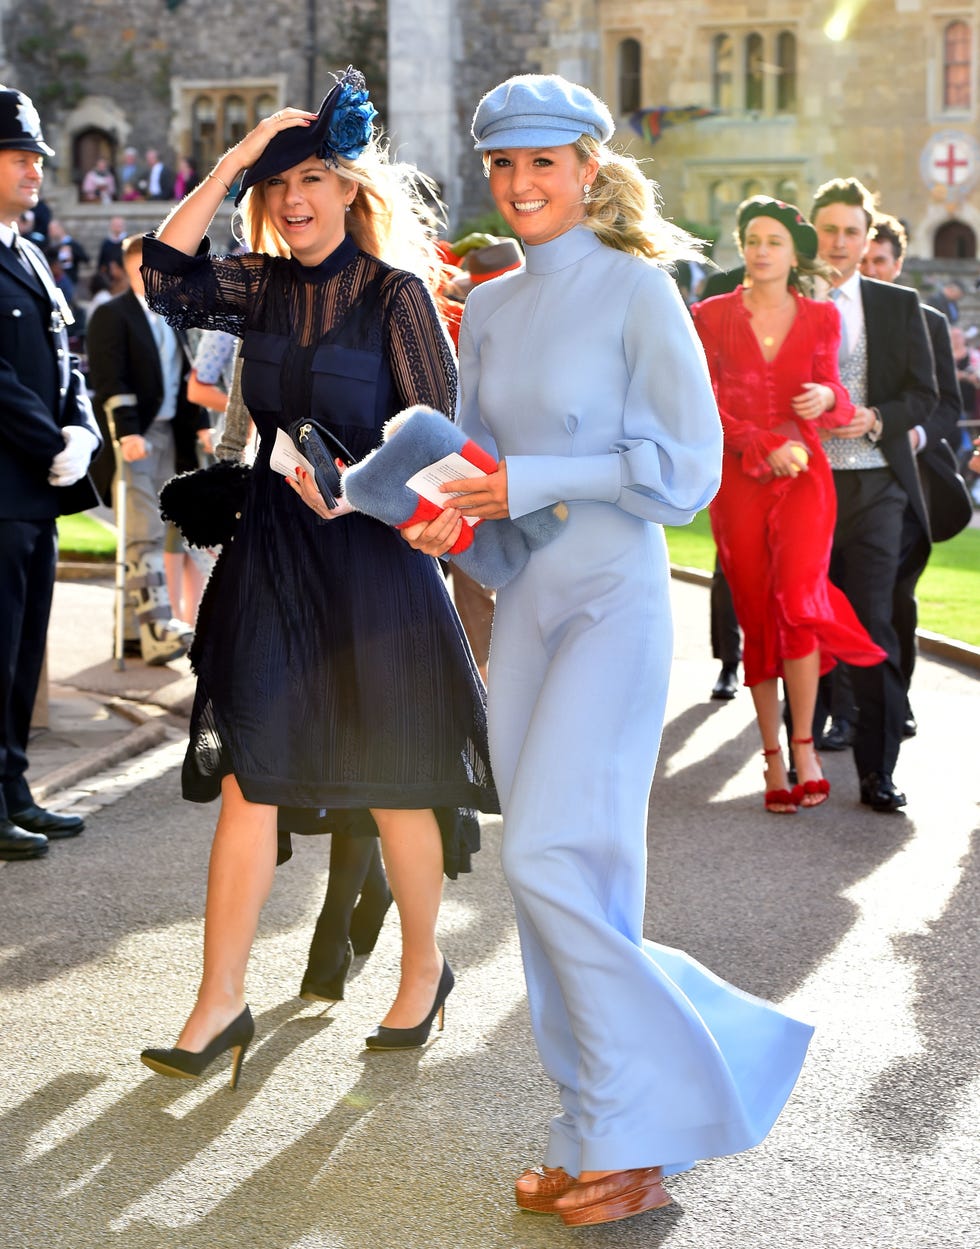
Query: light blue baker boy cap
point(539, 110)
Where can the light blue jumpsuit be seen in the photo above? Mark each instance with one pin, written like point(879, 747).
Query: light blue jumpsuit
point(584, 372)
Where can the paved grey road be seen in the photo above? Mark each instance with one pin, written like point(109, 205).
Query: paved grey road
point(866, 924)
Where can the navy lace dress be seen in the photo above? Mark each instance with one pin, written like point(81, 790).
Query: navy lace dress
point(333, 672)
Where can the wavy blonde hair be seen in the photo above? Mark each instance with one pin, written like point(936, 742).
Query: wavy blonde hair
point(623, 208)
point(394, 216)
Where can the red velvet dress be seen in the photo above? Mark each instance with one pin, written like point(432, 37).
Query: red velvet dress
point(774, 534)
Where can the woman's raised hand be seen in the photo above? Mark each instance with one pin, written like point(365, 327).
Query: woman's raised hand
point(813, 401)
point(248, 150)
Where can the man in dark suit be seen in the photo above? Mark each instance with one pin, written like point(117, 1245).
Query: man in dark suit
point(722, 281)
point(726, 638)
point(139, 369)
point(947, 502)
point(887, 366)
point(47, 439)
point(159, 180)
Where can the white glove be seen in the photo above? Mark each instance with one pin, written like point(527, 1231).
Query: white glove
point(70, 465)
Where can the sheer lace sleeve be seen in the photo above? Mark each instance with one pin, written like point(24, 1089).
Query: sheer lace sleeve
point(420, 354)
point(201, 291)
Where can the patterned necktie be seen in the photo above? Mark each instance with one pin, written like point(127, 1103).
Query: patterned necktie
point(844, 350)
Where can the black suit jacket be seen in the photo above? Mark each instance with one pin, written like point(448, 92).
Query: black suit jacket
point(124, 368)
point(947, 498)
point(723, 281)
point(41, 391)
point(901, 378)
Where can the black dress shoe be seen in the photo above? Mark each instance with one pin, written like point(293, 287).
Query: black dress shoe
point(879, 793)
point(726, 687)
point(35, 819)
point(840, 735)
point(16, 844)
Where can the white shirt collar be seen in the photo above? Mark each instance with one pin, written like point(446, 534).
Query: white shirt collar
point(8, 233)
point(851, 289)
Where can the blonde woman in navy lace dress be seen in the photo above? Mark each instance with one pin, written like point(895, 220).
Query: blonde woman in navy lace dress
point(334, 676)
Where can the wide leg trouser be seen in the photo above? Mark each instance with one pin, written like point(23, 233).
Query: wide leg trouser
point(657, 1062)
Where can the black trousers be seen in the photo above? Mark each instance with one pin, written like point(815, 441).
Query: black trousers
point(726, 640)
point(864, 563)
point(916, 549)
point(28, 555)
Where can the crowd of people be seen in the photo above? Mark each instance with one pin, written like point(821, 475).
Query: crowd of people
point(136, 178)
point(806, 406)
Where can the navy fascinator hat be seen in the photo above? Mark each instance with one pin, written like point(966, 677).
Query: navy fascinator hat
point(343, 127)
point(803, 234)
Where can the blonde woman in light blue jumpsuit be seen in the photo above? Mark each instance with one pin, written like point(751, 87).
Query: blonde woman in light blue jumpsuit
point(581, 372)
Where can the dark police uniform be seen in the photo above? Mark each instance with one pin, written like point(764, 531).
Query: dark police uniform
point(41, 392)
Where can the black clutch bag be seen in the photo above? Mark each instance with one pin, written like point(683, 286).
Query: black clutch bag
point(322, 448)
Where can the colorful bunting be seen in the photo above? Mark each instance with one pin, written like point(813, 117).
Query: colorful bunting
point(650, 123)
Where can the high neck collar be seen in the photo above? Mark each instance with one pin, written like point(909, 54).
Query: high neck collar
point(558, 253)
point(339, 258)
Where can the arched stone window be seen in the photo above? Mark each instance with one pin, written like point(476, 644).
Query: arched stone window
point(957, 65)
point(236, 120)
point(721, 203)
point(629, 56)
point(218, 115)
point(204, 131)
point(755, 80)
point(788, 190)
point(722, 75)
point(786, 79)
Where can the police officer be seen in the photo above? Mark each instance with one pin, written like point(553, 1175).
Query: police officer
point(48, 436)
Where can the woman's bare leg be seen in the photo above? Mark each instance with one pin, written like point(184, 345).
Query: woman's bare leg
point(412, 850)
point(765, 697)
point(243, 863)
point(801, 677)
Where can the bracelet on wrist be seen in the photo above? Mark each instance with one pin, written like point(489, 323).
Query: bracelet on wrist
point(221, 182)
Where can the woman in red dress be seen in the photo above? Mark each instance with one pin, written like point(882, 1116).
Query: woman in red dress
point(773, 360)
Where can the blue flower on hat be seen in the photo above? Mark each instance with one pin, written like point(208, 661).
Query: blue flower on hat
point(351, 124)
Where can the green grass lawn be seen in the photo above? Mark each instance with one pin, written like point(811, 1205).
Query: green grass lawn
point(949, 592)
point(80, 537)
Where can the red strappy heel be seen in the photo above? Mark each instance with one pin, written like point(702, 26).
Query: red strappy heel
point(778, 800)
point(818, 790)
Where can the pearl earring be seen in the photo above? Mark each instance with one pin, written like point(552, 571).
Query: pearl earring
point(347, 208)
point(585, 191)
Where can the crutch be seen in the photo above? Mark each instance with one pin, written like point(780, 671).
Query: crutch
point(119, 500)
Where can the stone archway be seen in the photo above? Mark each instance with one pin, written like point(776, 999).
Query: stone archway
point(97, 126)
point(954, 240)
